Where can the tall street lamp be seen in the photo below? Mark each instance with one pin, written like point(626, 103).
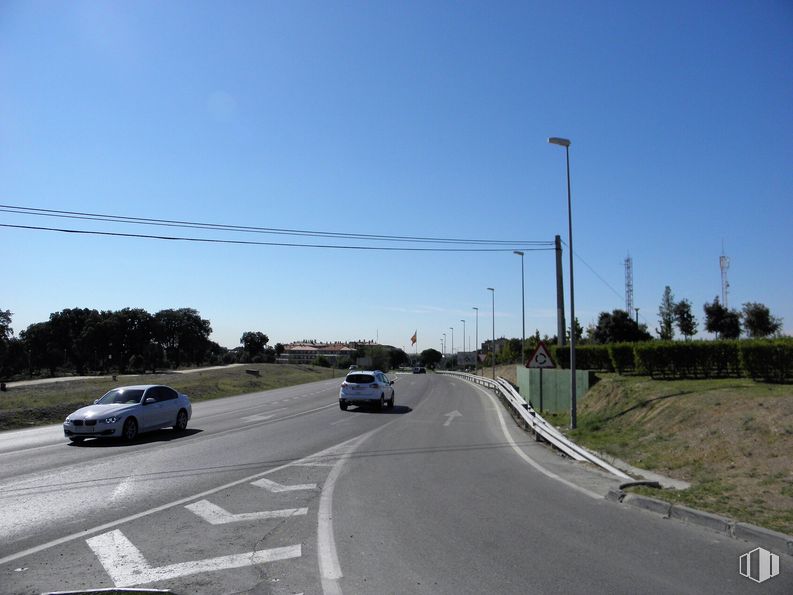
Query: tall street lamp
point(463, 321)
point(476, 363)
point(563, 142)
point(444, 344)
point(451, 328)
point(523, 308)
point(493, 349)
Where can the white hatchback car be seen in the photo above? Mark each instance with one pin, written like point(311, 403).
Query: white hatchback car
point(128, 410)
point(366, 388)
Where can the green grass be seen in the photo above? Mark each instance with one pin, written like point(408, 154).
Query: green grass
point(730, 438)
point(27, 406)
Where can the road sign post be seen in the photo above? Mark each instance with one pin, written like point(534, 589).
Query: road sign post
point(541, 359)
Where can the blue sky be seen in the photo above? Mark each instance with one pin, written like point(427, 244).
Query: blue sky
point(409, 118)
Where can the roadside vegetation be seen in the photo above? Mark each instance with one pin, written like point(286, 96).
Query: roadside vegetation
point(49, 403)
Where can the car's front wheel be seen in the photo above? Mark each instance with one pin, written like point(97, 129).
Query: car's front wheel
point(181, 421)
point(391, 401)
point(130, 431)
point(76, 439)
point(342, 405)
point(381, 403)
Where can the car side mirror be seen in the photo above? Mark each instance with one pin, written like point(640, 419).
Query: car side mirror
point(149, 401)
point(96, 402)
point(392, 382)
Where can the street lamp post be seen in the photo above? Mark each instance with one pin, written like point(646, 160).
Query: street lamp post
point(444, 344)
point(523, 308)
point(451, 328)
point(563, 142)
point(463, 321)
point(476, 363)
point(493, 349)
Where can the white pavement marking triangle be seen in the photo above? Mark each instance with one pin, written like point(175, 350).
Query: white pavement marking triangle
point(127, 566)
point(277, 487)
point(216, 515)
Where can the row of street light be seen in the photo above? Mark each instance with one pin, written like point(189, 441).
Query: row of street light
point(562, 142)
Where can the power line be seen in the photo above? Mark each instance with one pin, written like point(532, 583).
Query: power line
point(261, 230)
point(254, 243)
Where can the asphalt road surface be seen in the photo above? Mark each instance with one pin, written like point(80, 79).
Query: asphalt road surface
point(282, 492)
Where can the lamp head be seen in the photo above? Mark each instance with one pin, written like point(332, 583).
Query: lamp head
point(555, 140)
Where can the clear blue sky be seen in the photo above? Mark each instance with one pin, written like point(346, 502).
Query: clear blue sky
point(396, 118)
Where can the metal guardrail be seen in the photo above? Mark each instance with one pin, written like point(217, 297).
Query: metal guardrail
point(539, 425)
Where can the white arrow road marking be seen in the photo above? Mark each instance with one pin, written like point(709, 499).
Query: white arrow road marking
point(216, 515)
point(252, 418)
point(277, 487)
point(127, 566)
point(450, 416)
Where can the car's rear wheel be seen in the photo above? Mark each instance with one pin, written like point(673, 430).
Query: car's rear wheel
point(130, 430)
point(181, 421)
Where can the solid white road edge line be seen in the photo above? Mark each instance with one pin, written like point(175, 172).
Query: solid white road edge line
point(329, 567)
point(526, 457)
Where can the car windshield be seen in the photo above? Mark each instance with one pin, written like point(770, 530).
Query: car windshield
point(121, 395)
point(360, 378)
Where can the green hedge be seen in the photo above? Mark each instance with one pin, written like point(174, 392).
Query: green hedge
point(762, 359)
point(587, 357)
point(771, 361)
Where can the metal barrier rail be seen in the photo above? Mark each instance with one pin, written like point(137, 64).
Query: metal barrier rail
point(539, 425)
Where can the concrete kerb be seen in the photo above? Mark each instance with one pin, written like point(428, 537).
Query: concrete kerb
point(775, 541)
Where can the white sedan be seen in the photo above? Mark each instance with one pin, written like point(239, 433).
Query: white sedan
point(129, 410)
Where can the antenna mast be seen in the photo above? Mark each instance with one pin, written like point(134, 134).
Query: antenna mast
point(724, 264)
point(629, 285)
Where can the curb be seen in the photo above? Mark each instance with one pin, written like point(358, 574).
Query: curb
point(774, 540)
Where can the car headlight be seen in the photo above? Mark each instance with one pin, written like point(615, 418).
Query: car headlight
point(68, 420)
point(111, 420)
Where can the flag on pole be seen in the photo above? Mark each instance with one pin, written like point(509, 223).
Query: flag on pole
point(413, 338)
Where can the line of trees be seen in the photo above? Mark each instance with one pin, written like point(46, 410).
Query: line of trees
point(85, 340)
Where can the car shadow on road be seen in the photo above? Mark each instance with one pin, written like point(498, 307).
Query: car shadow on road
point(148, 438)
point(395, 410)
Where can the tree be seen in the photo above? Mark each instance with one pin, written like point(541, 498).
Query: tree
point(6, 332)
point(619, 327)
point(685, 320)
point(183, 334)
point(666, 316)
point(431, 357)
point(758, 322)
point(279, 348)
point(721, 321)
point(254, 342)
point(579, 332)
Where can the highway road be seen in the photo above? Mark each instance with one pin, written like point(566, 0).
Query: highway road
point(282, 492)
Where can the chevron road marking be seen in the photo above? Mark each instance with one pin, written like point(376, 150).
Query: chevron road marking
point(216, 515)
point(277, 487)
point(127, 566)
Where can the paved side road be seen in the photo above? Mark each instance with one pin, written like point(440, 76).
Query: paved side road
point(71, 378)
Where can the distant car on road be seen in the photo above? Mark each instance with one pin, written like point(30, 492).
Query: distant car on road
point(366, 388)
point(129, 410)
point(419, 370)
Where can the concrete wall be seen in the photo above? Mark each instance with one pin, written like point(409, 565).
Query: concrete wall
point(555, 394)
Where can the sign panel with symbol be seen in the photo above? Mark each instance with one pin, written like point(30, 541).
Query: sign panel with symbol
point(540, 358)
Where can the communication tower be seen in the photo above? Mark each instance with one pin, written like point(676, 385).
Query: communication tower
point(724, 264)
point(629, 285)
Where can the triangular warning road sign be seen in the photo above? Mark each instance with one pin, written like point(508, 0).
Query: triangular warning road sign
point(540, 358)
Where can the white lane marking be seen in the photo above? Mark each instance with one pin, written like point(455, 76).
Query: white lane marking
point(341, 421)
point(252, 418)
point(450, 417)
point(215, 515)
point(277, 487)
point(526, 457)
point(127, 566)
point(329, 567)
point(162, 507)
